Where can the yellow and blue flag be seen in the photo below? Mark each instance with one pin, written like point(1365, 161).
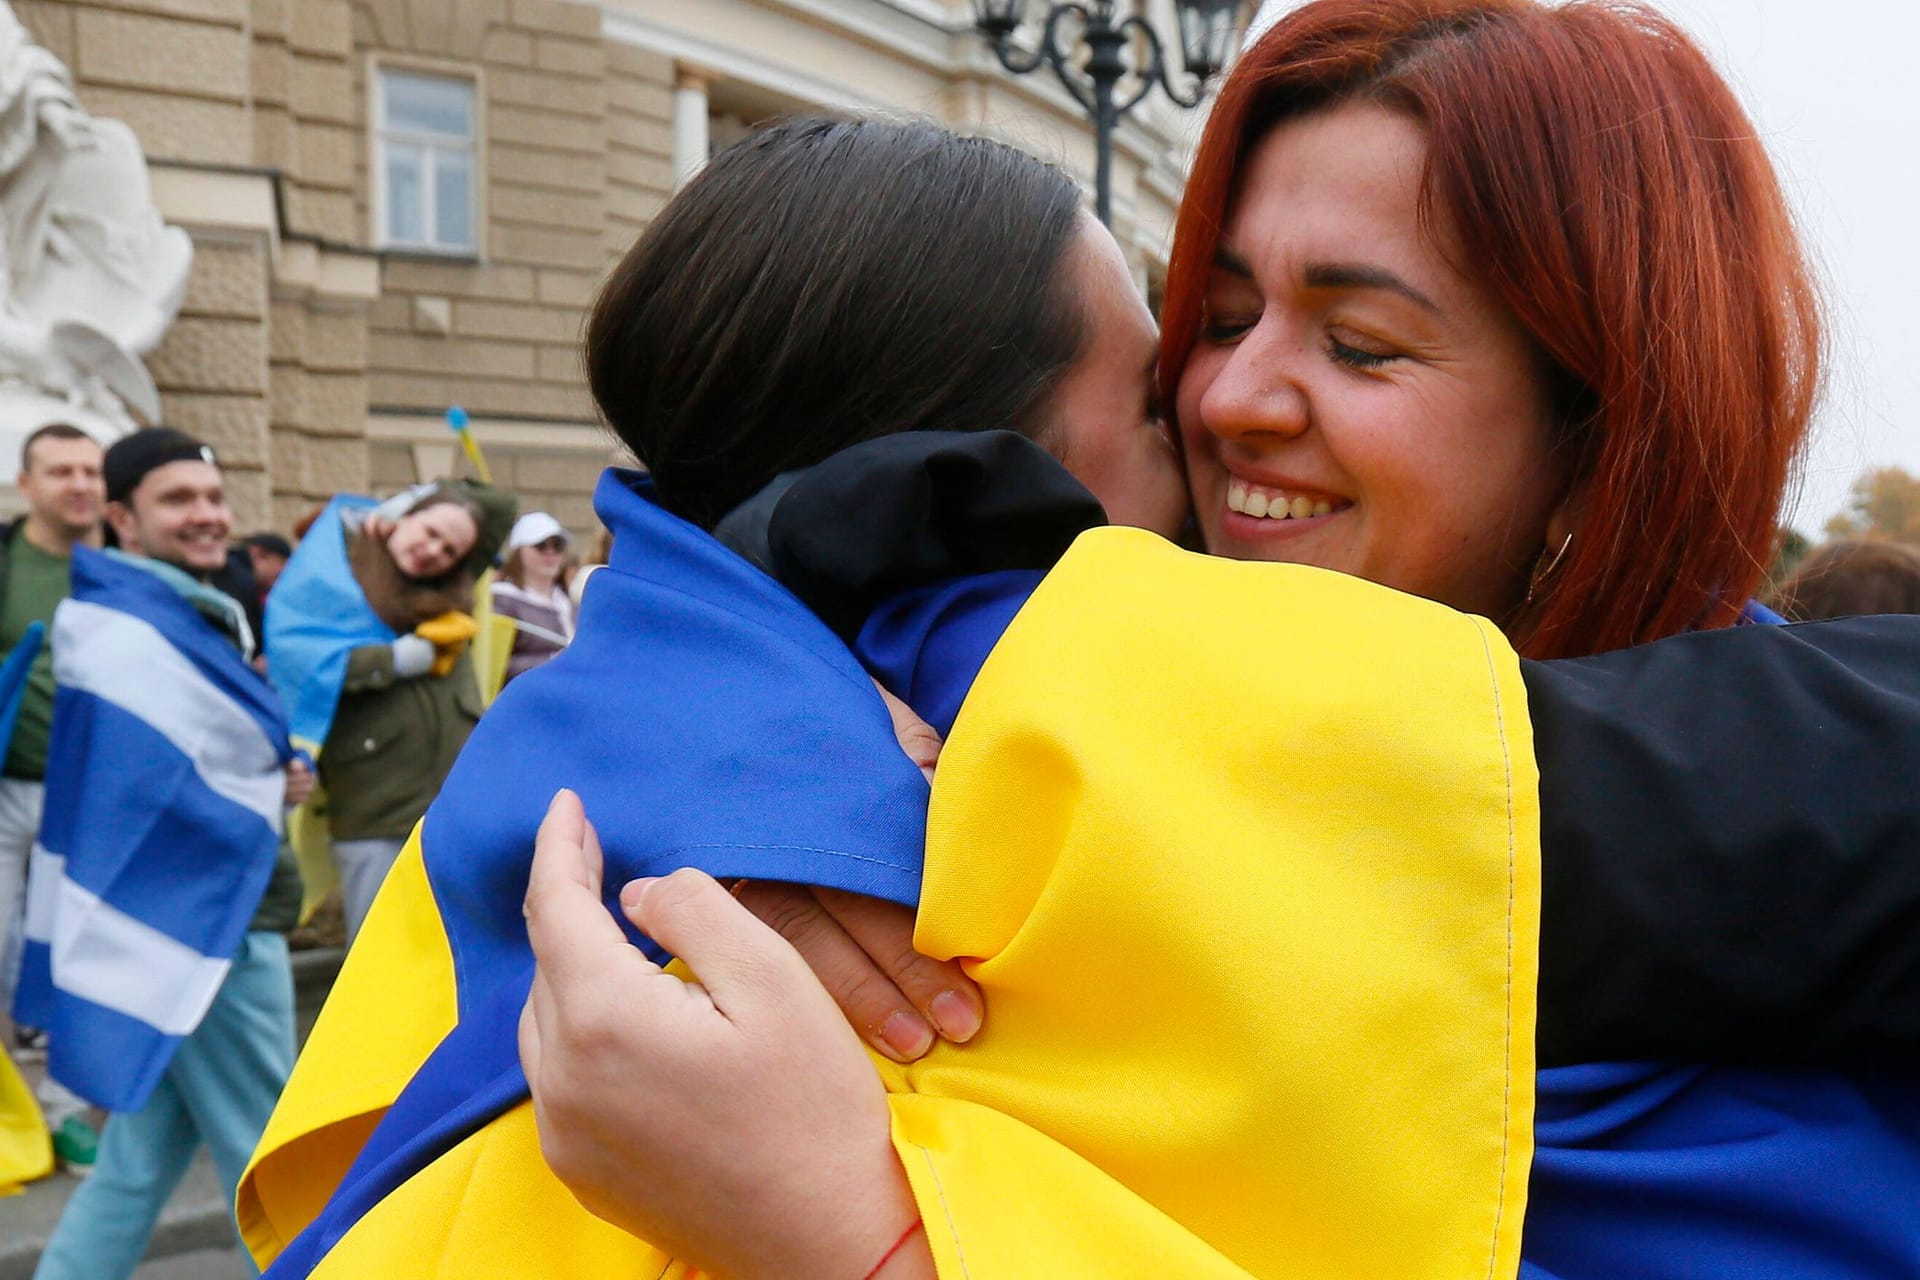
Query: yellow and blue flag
point(1183, 1069)
point(317, 615)
point(162, 821)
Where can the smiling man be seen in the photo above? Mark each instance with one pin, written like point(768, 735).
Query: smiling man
point(161, 887)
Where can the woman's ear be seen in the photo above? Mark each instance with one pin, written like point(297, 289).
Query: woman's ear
point(1566, 519)
point(1561, 525)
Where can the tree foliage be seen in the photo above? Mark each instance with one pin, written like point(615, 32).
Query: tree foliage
point(1884, 503)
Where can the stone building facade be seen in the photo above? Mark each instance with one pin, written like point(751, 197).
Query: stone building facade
point(321, 341)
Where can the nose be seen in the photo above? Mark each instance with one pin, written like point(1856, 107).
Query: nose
point(1257, 392)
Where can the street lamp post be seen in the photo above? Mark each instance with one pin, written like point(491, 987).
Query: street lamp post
point(1208, 33)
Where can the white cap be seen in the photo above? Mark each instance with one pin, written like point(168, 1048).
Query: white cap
point(534, 528)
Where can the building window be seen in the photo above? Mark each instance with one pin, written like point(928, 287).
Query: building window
point(424, 150)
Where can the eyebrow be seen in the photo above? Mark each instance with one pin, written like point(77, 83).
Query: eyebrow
point(1347, 275)
point(1333, 275)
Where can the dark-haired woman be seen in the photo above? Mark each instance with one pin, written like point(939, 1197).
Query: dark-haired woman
point(822, 283)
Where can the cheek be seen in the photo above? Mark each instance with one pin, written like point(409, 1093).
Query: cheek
point(1191, 389)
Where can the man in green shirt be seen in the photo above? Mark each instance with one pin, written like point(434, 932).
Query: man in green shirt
point(60, 478)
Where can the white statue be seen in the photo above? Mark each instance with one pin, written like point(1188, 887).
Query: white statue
point(90, 277)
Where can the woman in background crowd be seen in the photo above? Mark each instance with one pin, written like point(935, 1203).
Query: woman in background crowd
point(528, 590)
point(369, 631)
point(1843, 579)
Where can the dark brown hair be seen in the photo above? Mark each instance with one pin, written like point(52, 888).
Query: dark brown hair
point(1605, 183)
point(51, 431)
point(826, 281)
point(1842, 579)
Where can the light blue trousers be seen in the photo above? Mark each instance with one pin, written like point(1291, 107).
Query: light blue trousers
point(219, 1089)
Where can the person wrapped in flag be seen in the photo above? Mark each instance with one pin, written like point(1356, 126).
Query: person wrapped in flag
point(1164, 781)
point(369, 630)
point(161, 891)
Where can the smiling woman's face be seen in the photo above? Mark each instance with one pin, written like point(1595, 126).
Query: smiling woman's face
point(430, 541)
point(1353, 401)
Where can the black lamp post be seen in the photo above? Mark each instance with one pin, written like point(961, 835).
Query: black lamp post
point(1209, 30)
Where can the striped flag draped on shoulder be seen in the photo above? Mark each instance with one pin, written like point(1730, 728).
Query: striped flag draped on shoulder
point(163, 816)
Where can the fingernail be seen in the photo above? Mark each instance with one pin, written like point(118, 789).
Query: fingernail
point(905, 1037)
point(927, 772)
point(634, 892)
point(955, 1015)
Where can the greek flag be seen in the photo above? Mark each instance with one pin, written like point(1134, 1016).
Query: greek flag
point(162, 820)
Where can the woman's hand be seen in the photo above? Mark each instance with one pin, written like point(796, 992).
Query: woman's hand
point(861, 948)
point(735, 1121)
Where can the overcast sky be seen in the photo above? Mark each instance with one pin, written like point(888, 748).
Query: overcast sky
point(1830, 84)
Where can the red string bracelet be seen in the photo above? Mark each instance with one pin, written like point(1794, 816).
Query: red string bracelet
point(892, 1249)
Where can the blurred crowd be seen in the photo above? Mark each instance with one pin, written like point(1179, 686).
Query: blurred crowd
point(361, 647)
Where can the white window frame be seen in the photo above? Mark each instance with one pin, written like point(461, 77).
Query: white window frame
point(430, 145)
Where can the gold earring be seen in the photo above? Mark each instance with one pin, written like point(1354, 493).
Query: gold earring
point(1542, 572)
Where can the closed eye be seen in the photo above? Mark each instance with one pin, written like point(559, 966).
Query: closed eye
point(1220, 327)
point(1355, 357)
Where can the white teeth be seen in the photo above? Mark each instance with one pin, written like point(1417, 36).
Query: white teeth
point(1273, 505)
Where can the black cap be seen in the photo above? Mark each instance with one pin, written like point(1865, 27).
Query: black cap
point(271, 543)
point(130, 458)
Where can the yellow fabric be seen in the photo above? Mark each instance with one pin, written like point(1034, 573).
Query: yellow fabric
point(526, 1224)
point(1248, 857)
point(26, 1152)
point(312, 842)
point(394, 1001)
point(450, 633)
point(492, 641)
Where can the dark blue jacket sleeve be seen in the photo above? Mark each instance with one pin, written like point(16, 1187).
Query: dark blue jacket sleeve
point(1731, 845)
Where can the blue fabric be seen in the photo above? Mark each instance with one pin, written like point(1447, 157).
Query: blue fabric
point(13, 679)
point(1659, 1172)
point(706, 719)
point(928, 644)
point(317, 615)
point(219, 1089)
point(140, 828)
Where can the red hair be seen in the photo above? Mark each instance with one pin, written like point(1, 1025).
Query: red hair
point(1605, 184)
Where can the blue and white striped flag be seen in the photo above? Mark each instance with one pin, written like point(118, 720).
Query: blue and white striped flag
point(164, 799)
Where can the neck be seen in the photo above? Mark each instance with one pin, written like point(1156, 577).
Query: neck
point(540, 586)
point(55, 539)
point(136, 553)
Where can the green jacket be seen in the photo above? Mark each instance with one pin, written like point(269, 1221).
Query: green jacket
point(393, 741)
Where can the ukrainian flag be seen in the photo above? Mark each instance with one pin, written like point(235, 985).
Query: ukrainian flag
point(1245, 858)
